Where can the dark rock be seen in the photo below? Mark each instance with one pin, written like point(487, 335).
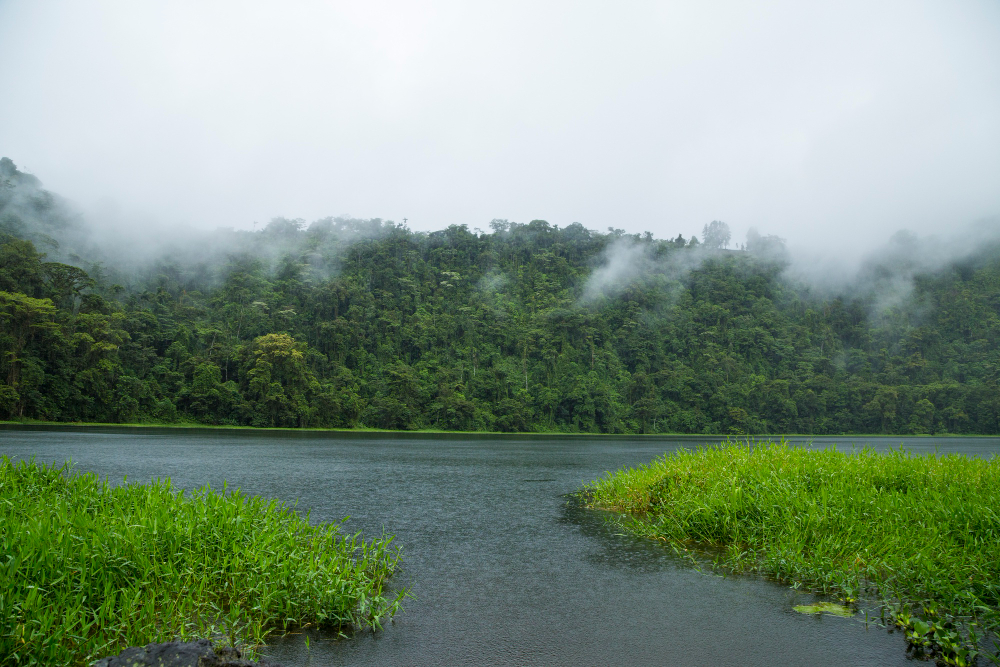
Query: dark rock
point(180, 654)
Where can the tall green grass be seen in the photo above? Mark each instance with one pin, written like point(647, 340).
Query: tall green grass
point(87, 569)
point(921, 534)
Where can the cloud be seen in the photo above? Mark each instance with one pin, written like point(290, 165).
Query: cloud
point(624, 263)
point(628, 261)
point(829, 124)
point(883, 276)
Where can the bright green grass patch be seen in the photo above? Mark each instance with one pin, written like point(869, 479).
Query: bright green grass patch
point(87, 570)
point(918, 533)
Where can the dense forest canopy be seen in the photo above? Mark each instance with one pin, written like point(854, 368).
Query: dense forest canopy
point(526, 327)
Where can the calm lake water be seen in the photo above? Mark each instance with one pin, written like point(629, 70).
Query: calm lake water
point(505, 570)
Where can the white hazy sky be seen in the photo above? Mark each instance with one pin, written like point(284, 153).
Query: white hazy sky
point(832, 124)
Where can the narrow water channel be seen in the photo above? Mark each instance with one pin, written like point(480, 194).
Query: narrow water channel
point(504, 568)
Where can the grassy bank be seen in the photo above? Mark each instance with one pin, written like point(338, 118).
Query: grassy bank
point(89, 569)
point(920, 534)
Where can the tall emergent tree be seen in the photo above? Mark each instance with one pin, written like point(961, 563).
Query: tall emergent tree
point(716, 235)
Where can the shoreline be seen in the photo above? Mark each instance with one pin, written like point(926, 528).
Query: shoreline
point(427, 433)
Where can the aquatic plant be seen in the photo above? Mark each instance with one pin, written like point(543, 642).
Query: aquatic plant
point(831, 608)
point(918, 534)
point(89, 569)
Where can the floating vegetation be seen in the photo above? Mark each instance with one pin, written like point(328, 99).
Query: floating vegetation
point(825, 608)
point(918, 534)
point(89, 569)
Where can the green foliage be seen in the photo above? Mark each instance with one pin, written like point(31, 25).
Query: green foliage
point(278, 381)
point(91, 569)
point(918, 533)
point(363, 323)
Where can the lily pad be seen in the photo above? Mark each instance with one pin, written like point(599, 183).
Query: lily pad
point(824, 608)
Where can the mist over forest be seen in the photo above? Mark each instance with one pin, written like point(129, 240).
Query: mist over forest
point(351, 323)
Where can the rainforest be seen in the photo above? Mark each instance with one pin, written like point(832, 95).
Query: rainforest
point(527, 327)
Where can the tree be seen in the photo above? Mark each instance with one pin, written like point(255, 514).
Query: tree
point(278, 381)
point(922, 418)
point(716, 234)
point(22, 317)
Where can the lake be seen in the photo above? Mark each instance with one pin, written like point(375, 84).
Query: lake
point(505, 569)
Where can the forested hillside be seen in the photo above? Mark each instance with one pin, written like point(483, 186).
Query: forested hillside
point(526, 327)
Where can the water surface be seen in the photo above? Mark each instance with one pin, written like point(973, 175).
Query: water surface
point(505, 570)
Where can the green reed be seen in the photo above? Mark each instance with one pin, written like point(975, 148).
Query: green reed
point(919, 534)
point(87, 569)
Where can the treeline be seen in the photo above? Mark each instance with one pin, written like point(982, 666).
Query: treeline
point(350, 323)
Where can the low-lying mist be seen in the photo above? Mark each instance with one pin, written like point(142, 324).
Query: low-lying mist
point(883, 275)
point(132, 250)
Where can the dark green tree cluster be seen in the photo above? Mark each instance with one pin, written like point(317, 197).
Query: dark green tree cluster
point(350, 323)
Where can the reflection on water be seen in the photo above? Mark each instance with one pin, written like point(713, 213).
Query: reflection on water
point(506, 569)
point(615, 547)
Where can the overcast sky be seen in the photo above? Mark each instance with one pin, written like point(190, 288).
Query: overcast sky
point(832, 124)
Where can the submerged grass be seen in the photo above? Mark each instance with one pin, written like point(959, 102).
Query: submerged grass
point(920, 534)
point(88, 569)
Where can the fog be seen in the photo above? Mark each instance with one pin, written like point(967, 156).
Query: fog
point(883, 275)
point(831, 125)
